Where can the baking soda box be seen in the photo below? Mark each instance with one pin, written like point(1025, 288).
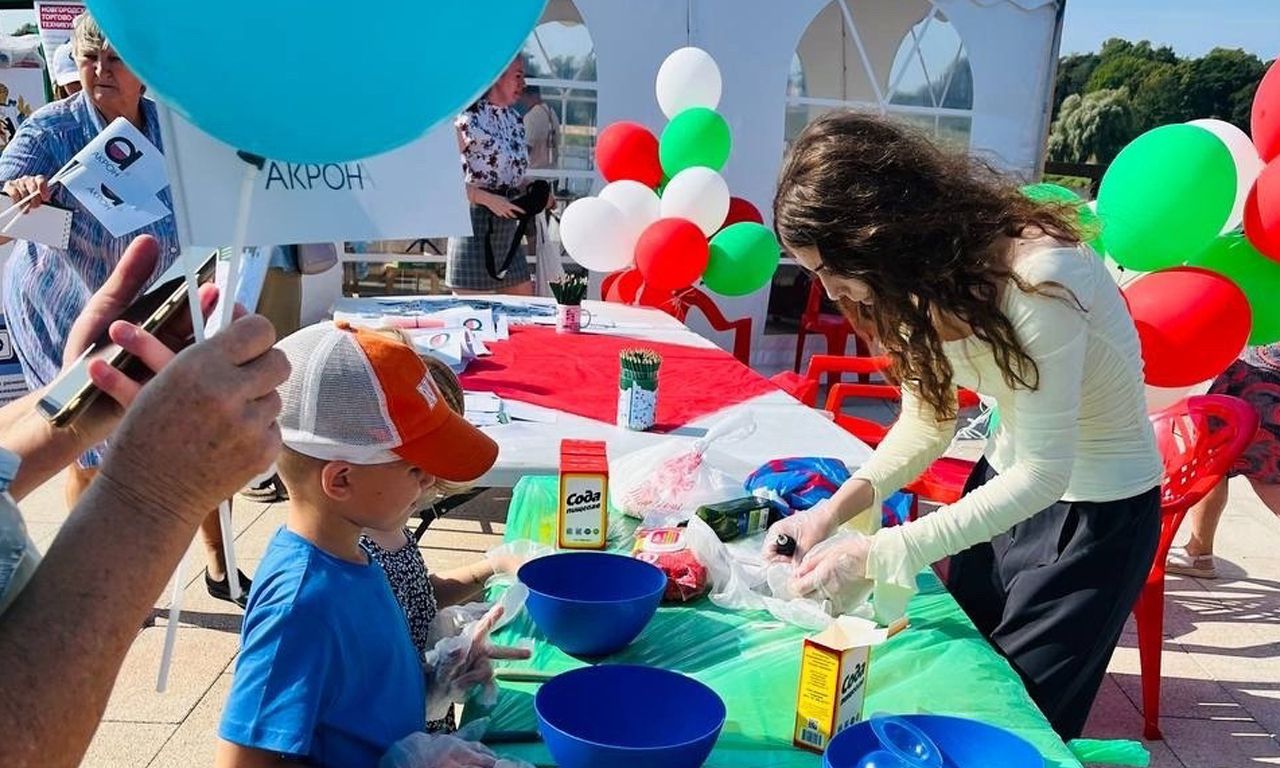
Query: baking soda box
point(833, 680)
point(582, 521)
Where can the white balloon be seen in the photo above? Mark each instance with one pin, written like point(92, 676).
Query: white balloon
point(688, 78)
point(698, 194)
point(1159, 398)
point(1245, 155)
point(1122, 277)
point(639, 204)
point(595, 234)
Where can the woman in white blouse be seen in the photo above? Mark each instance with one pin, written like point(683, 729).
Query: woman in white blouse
point(968, 283)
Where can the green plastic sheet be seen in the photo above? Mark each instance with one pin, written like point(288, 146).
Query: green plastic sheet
point(939, 665)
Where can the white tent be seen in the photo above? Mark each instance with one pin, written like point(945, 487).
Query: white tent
point(978, 72)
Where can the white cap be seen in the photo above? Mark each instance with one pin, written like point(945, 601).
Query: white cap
point(65, 69)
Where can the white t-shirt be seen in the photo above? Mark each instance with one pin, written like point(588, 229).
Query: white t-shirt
point(1081, 435)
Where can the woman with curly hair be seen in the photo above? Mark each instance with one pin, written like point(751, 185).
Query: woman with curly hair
point(969, 283)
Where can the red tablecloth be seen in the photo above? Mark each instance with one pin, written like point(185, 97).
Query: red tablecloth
point(578, 373)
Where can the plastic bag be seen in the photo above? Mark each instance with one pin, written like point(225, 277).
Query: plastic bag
point(741, 579)
point(447, 664)
point(797, 483)
point(439, 750)
point(667, 549)
point(663, 484)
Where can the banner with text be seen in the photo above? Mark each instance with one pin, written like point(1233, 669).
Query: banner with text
point(414, 191)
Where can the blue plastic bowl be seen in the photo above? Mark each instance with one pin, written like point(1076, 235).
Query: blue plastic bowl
point(622, 716)
point(591, 603)
point(964, 743)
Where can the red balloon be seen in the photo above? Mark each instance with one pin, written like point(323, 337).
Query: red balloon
point(672, 254)
point(1192, 323)
point(627, 150)
point(629, 288)
point(1262, 212)
point(1265, 121)
point(741, 210)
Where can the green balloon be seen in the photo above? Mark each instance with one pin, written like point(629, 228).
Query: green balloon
point(743, 259)
point(1090, 224)
point(696, 136)
point(1259, 277)
point(1166, 197)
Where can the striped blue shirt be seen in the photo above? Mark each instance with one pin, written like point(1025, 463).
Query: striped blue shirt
point(45, 288)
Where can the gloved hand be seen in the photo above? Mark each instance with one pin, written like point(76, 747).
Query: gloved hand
point(457, 664)
point(836, 570)
point(439, 750)
point(806, 528)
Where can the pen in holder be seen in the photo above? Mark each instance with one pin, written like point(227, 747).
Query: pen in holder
point(638, 388)
point(569, 291)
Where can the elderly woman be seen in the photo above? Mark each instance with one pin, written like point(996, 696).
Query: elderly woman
point(45, 288)
point(495, 159)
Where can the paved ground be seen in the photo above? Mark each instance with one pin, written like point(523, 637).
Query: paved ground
point(1221, 659)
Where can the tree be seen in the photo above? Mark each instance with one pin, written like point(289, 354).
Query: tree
point(1092, 128)
point(1159, 98)
point(26, 29)
point(1218, 81)
point(1073, 73)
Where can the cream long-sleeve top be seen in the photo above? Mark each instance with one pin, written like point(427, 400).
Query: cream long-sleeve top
point(1081, 435)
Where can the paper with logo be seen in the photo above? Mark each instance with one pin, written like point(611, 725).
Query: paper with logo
point(414, 191)
point(119, 215)
point(125, 160)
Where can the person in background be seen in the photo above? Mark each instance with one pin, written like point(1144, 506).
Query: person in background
point(971, 284)
point(495, 160)
point(1254, 378)
point(64, 637)
point(65, 73)
point(45, 288)
point(541, 128)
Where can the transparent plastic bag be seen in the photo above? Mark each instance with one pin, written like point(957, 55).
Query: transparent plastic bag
point(448, 664)
point(663, 484)
point(741, 579)
point(440, 750)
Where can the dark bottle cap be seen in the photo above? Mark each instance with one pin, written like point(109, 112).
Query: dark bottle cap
point(785, 545)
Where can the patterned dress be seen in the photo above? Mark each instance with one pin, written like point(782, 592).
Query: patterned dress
point(494, 158)
point(410, 583)
point(45, 287)
point(1255, 378)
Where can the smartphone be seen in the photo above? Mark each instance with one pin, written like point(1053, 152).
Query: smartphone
point(166, 300)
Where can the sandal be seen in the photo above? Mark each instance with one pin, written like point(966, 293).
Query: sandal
point(1184, 564)
point(221, 590)
point(269, 491)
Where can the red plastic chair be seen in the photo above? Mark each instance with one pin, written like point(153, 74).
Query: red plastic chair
point(943, 481)
point(1199, 439)
point(683, 301)
point(835, 328)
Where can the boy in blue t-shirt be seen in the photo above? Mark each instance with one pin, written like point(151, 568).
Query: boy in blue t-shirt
point(327, 673)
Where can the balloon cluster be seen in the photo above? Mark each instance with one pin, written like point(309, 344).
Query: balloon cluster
point(666, 218)
point(1197, 207)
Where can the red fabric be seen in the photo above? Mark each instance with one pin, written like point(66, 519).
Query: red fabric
point(578, 373)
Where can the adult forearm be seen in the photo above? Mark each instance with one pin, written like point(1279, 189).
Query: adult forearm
point(63, 640)
point(45, 449)
point(460, 585)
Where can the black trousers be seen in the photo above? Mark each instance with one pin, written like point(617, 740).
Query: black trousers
point(1052, 593)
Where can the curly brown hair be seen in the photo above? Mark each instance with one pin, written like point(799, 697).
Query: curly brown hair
point(925, 229)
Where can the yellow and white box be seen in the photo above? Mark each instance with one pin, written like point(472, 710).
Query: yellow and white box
point(833, 680)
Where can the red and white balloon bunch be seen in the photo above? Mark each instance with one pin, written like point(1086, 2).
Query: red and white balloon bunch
point(666, 219)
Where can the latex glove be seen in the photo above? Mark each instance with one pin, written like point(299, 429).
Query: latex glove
point(440, 750)
point(505, 560)
point(836, 570)
point(458, 664)
point(807, 528)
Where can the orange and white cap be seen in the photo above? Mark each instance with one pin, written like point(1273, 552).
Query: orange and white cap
point(357, 396)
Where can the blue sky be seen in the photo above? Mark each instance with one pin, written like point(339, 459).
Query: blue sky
point(1191, 27)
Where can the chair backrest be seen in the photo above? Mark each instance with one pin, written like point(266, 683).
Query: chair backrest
point(1199, 438)
point(741, 327)
point(813, 303)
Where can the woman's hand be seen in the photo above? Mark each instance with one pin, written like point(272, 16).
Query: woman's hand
point(807, 528)
point(501, 206)
point(835, 570)
point(34, 187)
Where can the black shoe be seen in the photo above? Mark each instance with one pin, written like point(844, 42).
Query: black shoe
point(269, 491)
point(221, 590)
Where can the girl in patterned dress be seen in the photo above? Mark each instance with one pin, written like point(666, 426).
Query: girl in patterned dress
point(1254, 378)
point(421, 594)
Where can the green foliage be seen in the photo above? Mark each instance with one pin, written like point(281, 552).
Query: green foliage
point(1110, 97)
